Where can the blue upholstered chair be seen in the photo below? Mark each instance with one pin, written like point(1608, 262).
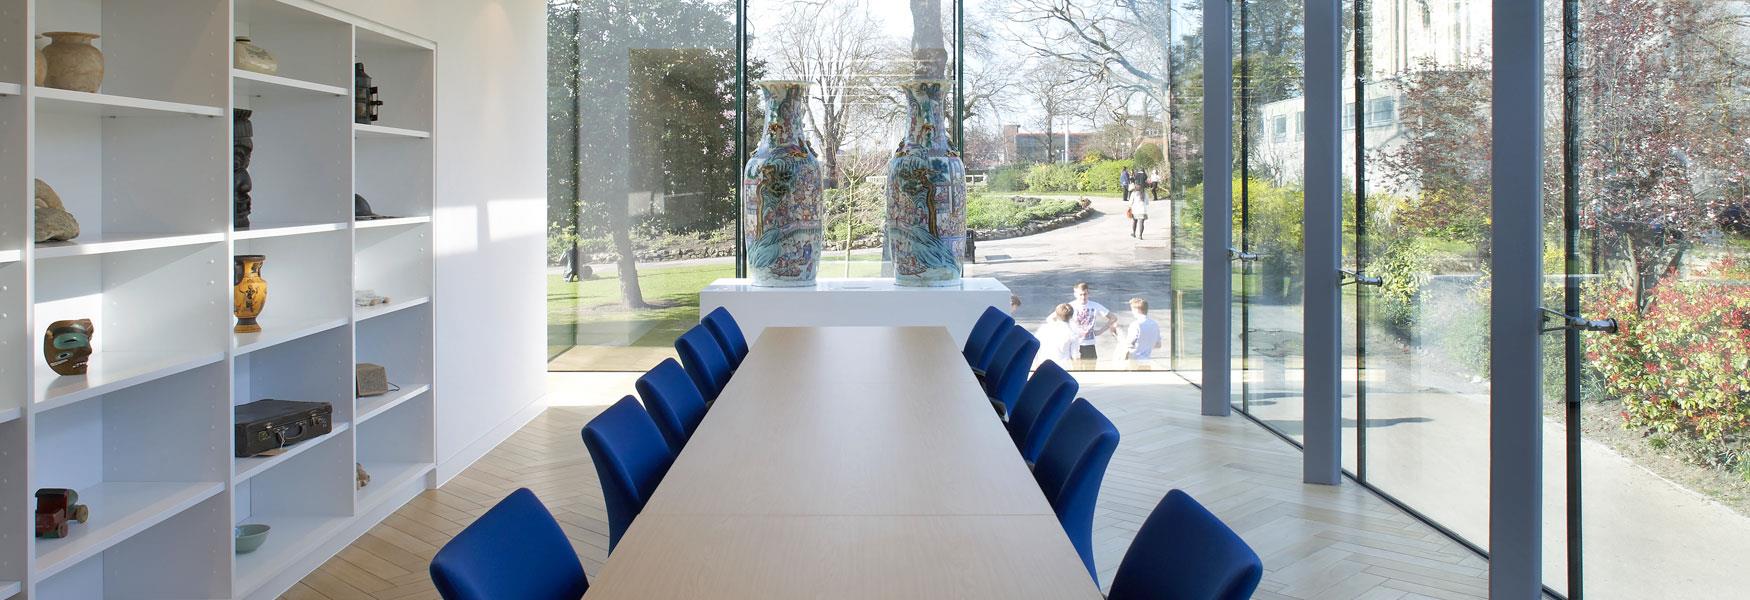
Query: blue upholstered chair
point(987, 334)
point(1183, 551)
point(515, 550)
point(1008, 373)
point(673, 401)
point(630, 459)
point(1070, 469)
point(1042, 402)
point(728, 333)
point(704, 361)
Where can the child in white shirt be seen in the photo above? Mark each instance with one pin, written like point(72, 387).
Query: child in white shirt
point(1057, 341)
point(1144, 334)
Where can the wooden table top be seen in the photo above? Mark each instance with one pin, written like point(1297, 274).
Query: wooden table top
point(848, 462)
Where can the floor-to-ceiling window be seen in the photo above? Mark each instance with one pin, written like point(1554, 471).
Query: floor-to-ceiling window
point(1649, 426)
point(642, 174)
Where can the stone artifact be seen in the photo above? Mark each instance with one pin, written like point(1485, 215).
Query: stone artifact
point(67, 346)
point(42, 67)
point(242, 147)
point(365, 102)
point(250, 57)
point(74, 64)
point(360, 475)
point(926, 194)
point(53, 222)
point(55, 508)
point(250, 295)
point(781, 194)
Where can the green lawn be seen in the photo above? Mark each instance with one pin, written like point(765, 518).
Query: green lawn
point(596, 305)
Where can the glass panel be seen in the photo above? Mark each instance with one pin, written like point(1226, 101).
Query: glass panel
point(642, 174)
point(1426, 172)
point(1272, 206)
point(1665, 249)
point(1064, 98)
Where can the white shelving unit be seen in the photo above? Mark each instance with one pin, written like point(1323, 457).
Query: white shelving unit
point(145, 437)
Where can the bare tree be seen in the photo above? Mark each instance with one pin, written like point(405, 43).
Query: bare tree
point(929, 48)
point(836, 48)
point(1059, 91)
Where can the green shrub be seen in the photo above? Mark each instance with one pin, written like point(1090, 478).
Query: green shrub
point(1147, 156)
point(1007, 178)
point(1681, 368)
point(1052, 178)
point(1102, 176)
point(995, 212)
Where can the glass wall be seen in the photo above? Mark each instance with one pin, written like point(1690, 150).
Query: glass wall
point(642, 174)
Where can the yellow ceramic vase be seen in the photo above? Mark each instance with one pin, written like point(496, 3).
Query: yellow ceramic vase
point(249, 296)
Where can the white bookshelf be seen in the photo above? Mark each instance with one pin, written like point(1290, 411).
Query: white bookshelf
point(144, 163)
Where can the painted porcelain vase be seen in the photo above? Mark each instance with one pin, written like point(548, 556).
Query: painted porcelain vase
point(781, 194)
point(74, 64)
point(67, 346)
point(249, 296)
point(926, 195)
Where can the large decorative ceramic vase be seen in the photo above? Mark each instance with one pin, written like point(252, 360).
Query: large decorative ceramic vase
point(926, 194)
point(74, 64)
point(781, 194)
point(250, 295)
point(67, 346)
point(242, 147)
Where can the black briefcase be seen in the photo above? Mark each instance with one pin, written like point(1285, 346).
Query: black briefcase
point(266, 425)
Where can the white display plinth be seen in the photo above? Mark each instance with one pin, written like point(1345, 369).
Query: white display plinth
point(855, 302)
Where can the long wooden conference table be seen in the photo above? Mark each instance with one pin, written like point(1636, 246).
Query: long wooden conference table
point(848, 462)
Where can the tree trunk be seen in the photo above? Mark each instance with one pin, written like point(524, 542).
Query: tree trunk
point(620, 224)
point(929, 49)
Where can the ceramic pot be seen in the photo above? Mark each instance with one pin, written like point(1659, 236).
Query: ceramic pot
point(42, 67)
point(250, 57)
point(250, 295)
point(781, 194)
point(242, 148)
point(926, 194)
point(67, 346)
point(74, 64)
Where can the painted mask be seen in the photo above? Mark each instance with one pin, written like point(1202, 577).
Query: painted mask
point(67, 346)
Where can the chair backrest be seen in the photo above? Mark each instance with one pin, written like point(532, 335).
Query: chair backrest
point(1009, 372)
point(981, 344)
point(1183, 551)
point(1042, 402)
point(630, 459)
point(673, 401)
point(704, 361)
point(1070, 469)
point(515, 550)
point(728, 333)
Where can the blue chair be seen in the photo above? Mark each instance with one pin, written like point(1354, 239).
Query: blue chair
point(515, 550)
point(673, 401)
point(728, 333)
point(1009, 373)
point(1070, 469)
point(987, 334)
point(630, 459)
point(1183, 551)
point(704, 361)
point(1041, 404)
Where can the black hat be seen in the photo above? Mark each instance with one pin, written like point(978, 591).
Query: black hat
point(361, 210)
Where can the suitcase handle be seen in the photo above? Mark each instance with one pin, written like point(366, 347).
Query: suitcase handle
point(279, 433)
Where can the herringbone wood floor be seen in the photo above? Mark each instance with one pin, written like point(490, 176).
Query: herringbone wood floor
point(1316, 541)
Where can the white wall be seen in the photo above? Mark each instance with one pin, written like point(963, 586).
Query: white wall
point(491, 210)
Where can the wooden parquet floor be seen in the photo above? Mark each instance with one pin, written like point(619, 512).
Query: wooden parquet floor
point(1317, 542)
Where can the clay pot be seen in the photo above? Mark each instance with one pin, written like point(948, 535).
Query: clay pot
point(250, 57)
point(42, 67)
point(67, 346)
point(74, 64)
point(249, 296)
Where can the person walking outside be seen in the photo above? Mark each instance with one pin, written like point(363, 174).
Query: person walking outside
point(1138, 209)
point(1089, 320)
point(1144, 334)
point(1124, 183)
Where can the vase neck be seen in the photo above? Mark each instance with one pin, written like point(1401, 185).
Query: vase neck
point(784, 102)
point(924, 129)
